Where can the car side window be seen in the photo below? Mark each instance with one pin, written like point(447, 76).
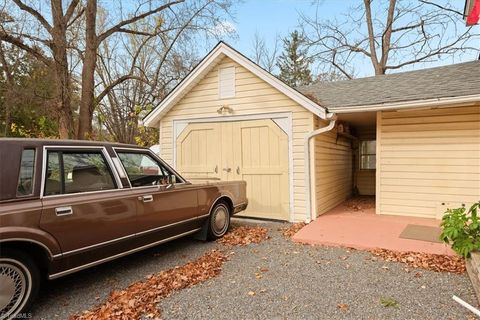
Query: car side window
point(25, 176)
point(143, 170)
point(77, 171)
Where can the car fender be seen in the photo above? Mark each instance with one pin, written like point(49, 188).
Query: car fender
point(36, 236)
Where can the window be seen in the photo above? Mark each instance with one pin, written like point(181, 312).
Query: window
point(226, 82)
point(368, 150)
point(143, 170)
point(73, 172)
point(25, 177)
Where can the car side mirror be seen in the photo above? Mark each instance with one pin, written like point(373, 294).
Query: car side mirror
point(172, 179)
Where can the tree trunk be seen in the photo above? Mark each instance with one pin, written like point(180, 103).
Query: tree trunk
point(87, 103)
point(63, 105)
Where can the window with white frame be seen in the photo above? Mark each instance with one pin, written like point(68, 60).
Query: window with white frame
point(368, 155)
point(226, 82)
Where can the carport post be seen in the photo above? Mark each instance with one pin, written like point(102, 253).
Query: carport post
point(308, 188)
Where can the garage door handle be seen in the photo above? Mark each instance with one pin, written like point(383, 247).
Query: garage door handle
point(216, 169)
point(227, 169)
point(238, 170)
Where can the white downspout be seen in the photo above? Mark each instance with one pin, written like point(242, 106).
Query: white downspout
point(308, 188)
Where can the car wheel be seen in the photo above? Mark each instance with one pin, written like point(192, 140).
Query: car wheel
point(219, 221)
point(19, 283)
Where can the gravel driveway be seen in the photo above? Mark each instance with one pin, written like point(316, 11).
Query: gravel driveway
point(275, 279)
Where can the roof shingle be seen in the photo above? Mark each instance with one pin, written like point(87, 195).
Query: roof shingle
point(455, 80)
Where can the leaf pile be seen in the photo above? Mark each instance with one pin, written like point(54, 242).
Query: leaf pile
point(427, 261)
point(244, 235)
point(292, 229)
point(141, 298)
point(360, 203)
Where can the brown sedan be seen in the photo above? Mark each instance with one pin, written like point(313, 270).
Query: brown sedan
point(69, 205)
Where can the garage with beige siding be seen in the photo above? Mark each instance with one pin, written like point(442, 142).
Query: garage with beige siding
point(411, 140)
point(231, 120)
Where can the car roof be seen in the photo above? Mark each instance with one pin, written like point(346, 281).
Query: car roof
point(41, 142)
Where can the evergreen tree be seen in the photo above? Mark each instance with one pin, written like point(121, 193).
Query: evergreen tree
point(294, 62)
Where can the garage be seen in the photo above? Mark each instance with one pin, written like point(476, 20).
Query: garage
point(231, 120)
point(255, 151)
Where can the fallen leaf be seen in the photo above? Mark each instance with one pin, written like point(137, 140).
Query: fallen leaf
point(263, 269)
point(343, 307)
point(251, 293)
point(244, 235)
point(292, 229)
point(141, 297)
point(427, 261)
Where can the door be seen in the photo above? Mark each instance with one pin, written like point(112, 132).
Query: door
point(198, 152)
point(164, 201)
point(255, 151)
point(83, 206)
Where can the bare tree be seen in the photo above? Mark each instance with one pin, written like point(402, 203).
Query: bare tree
point(45, 38)
point(137, 70)
point(390, 35)
point(264, 55)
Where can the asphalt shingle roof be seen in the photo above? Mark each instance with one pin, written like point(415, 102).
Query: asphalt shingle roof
point(455, 80)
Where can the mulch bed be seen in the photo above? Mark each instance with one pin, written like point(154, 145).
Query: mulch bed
point(141, 298)
point(244, 235)
point(427, 261)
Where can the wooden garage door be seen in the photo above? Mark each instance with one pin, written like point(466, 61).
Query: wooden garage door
point(254, 151)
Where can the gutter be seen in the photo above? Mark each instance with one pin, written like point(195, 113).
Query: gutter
point(436, 102)
point(308, 187)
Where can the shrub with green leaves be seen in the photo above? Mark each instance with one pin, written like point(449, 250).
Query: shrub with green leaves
point(461, 229)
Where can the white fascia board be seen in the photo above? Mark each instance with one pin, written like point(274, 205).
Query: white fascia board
point(222, 49)
point(437, 102)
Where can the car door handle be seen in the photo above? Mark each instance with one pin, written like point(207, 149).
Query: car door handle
point(63, 211)
point(147, 198)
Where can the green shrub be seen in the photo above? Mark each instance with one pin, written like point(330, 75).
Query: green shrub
point(461, 229)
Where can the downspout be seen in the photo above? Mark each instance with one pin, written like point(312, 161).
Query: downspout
point(308, 188)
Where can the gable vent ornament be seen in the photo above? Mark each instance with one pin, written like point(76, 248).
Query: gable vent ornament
point(225, 110)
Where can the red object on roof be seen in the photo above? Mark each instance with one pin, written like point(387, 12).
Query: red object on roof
point(474, 15)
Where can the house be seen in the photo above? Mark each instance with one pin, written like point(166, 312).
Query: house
point(411, 139)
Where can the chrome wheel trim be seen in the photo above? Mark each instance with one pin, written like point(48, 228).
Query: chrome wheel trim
point(220, 220)
point(15, 288)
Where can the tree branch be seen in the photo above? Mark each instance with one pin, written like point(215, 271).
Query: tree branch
point(20, 44)
point(441, 7)
point(116, 83)
point(34, 13)
point(70, 10)
point(120, 25)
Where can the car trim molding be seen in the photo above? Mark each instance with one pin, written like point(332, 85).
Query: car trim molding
point(97, 262)
point(69, 253)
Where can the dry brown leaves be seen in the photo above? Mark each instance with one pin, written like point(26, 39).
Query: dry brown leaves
point(244, 235)
point(292, 229)
point(141, 298)
point(427, 261)
point(360, 203)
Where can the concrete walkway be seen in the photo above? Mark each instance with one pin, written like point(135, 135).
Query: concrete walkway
point(363, 229)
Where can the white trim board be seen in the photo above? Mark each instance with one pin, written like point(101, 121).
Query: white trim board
point(282, 119)
point(221, 51)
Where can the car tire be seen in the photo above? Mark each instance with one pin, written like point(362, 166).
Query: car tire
point(19, 284)
point(219, 221)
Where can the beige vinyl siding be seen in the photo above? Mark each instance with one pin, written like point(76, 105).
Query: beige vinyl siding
point(428, 160)
point(364, 179)
point(333, 169)
point(252, 96)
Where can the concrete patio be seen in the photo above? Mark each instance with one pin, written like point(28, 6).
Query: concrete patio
point(357, 226)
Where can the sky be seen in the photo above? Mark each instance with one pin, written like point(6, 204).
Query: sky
point(277, 18)
point(271, 18)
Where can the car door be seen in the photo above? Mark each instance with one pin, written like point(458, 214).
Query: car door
point(166, 200)
point(84, 205)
